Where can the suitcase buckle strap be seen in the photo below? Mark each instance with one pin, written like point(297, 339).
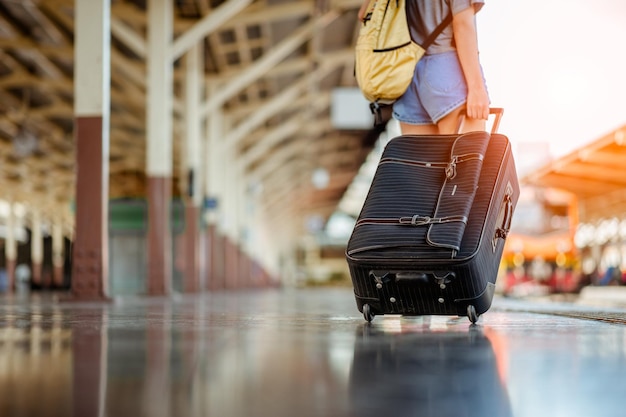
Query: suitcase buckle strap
point(418, 220)
point(451, 167)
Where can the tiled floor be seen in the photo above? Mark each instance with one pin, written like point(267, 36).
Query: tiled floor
point(301, 353)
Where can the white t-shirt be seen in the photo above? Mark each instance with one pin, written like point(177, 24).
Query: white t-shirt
point(425, 15)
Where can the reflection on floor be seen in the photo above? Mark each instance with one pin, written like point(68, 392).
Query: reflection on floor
point(299, 353)
point(456, 371)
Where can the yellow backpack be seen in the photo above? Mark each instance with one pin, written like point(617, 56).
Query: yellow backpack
point(385, 54)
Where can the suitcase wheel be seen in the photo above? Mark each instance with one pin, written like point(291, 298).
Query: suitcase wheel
point(368, 314)
point(471, 314)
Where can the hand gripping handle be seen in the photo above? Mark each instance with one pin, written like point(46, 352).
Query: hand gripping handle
point(496, 111)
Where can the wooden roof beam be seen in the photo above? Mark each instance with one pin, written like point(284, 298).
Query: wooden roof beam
point(269, 140)
point(279, 156)
point(129, 37)
point(206, 26)
point(261, 66)
point(280, 102)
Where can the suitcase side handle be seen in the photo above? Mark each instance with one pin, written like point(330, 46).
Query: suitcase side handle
point(498, 112)
point(504, 218)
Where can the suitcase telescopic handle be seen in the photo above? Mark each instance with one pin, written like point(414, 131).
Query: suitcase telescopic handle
point(496, 111)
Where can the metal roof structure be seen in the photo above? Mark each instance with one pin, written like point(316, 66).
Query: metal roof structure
point(270, 64)
point(593, 173)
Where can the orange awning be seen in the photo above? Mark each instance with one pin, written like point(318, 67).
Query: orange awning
point(547, 246)
point(595, 174)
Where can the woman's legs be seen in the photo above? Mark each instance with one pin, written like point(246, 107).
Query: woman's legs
point(409, 129)
point(446, 126)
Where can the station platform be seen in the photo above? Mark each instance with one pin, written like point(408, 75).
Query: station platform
point(306, 352)
point(603, 296)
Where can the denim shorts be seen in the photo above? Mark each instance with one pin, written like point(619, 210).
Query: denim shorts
point(438, 87)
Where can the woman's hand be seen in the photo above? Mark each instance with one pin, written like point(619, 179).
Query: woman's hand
point(477, 106)
point(363, 10)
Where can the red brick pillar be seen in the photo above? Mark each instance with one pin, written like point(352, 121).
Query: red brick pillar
point(159, 266)
point(36, 250)
point(209, 249)
point(90, 249)
point(231, 263)
point(244, 269)
point(10, 264)
point(191, 282)
point(58, 255)
point(159, 153)
point(194, 83)
point(10, 250)
point(92, 106)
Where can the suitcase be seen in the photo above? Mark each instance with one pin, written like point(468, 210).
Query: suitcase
point(430, 234)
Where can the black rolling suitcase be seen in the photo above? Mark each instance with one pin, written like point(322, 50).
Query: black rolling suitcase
point(429, 238)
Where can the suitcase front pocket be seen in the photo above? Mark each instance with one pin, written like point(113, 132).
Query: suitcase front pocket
point(420, 198)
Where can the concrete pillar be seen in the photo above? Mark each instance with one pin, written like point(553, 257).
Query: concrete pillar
point(214, 176)
point(159, 146)
point(247, 207)
point(194, 74)
point(260, 241)
point(244, 268)
point(231, 263)
point(92, 108)
point(244, 212)
point(191, 280)
point(216, 250)
point(58, 254)
point(36, 249)
point(231, 217)
point(288, 253)
point(10, 250)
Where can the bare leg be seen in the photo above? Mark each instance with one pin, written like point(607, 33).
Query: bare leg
point(449, 123)
point(408, 129)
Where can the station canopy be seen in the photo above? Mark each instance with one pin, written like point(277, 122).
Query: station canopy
point(281, 61)
point(595, 174)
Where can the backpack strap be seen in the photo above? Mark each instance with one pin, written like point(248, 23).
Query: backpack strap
point(431, 38)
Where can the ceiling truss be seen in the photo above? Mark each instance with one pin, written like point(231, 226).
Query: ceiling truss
point(270, 65)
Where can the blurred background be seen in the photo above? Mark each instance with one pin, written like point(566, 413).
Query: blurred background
point(297, 144)
point(246, 115)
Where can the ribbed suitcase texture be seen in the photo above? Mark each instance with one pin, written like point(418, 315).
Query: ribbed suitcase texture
point(430, 235)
